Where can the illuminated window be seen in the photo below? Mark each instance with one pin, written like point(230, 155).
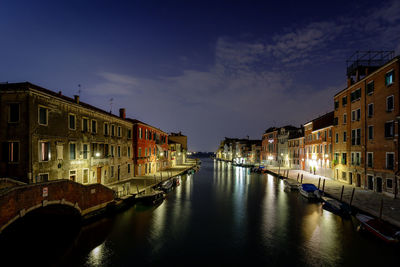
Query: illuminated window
point(11, 152)
point(389, 78)
point(72, 151)
point(44, 151)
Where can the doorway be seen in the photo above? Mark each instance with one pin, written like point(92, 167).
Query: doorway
point(99, 175)
point(379, 184)
point(119, 171)
point(358, 183)
point(370, 182)
point(350, 177)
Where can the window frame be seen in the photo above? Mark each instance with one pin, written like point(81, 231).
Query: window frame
point(93, 129)
point(372, 161)
point(40, 150)
point(387, 103)
point(47, 115)
point(88, 124)
point(69, 121)
point(386, 160)
point(83, 176)
point(69, 150)
point(9, 112)
point(373, 109)
point(369, 136)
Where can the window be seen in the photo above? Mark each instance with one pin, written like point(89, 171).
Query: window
point(344, 137)
point(112, 151)
point(119, 132)
point(44, 151)
point(43, 116)
point(13, 113)
point(149, 152)
point(370, 132)
point(336, 157)
point(145, 152)
point(129, 133)
point(336, 105)
point(344, 175)
point(85, 151)
point(85, 175)
point(72, 151)
point(370, 159)
point(389, 78)
point(390, 160)
point(11, 151)
point(355, 158)
point(146, 135)
point(112, 171)
point(355, 95)
point(389, 129)
point(106, 130)
point(335, 121)
point(356, 137)
point(389, 183)
point(72, 122)
point(389, 103)
point(370, 87)
point(337, 137)
point(85, 125)
point(129, 168)
point(129, 151)
point(43, 177)
point(140, 152)
point(330, 132)
point(94, 126)
point(106, 150)
point(344, 118)
point(370, 110)
point(344, 101)
point(140, 133)
point(344, 158)
point(356, 115)
point(119, 151)
point(112, 130)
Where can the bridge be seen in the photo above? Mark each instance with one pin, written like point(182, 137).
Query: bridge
point(18, 200)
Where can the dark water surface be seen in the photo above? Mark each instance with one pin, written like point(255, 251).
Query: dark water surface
point(221, 215)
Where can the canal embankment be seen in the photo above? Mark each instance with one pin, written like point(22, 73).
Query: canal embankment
point(365, 201)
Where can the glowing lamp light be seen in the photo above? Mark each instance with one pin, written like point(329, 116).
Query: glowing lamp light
point(326, 155)
point(161, 154)
point(97, 154)
point(270, 157)
point(314, 157)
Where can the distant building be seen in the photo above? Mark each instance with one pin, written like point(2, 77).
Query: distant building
point(179, 138)
point(269, 147)
point(318, 145)
point(296, 149)
point(46, 136)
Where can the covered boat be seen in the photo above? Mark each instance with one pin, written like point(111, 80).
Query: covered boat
point(309, 191)
point(291, 184)
point(336, 207)
point(378, 228)
point(166, 186)
point(151, 198)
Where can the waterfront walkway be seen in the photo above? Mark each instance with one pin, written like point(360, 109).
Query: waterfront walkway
point(139, 184)
point(364, 200)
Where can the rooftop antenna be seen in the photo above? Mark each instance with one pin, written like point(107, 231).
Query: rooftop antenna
point(111, 103)
point(79, 90)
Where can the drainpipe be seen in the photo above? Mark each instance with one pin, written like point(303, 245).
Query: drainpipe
point(365, 133)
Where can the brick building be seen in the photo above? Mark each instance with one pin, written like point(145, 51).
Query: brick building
point(296, 150)
point(47, 136)
point(150, 146)
point(366, 123)
point(318, 145)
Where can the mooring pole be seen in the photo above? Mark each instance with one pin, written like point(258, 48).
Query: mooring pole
point(298, 174)
point(319, 182)
point(137, 189)
point(380, 210)
point(352, 195)
point(287, 175)
point(341, 194)
point(301, 179)
point(323, 186)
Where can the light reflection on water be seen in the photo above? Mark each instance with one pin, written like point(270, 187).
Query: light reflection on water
point(233, 217)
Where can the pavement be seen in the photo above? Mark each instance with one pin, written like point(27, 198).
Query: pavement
point(364, 200)
point(139, 184)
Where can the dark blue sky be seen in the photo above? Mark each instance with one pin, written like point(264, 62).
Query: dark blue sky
point(207, 68)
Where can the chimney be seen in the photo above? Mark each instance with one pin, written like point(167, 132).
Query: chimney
point(59, 93)
point(76, 97)
point(349, 81)
point(122, 113)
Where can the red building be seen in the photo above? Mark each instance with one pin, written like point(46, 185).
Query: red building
point(269, 153)
point(150, 146)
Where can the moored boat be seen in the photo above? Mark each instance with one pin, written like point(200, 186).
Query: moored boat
point(291, 185)
point(336, 207)
point(309, 191)
point(151, 198)
point(378, 228)
point(166, 186)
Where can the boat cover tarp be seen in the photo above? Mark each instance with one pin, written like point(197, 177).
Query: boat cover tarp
point(309, 187)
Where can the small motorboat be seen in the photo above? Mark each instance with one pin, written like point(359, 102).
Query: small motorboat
point(166, 186)
point(291, 185)
point(151, 198)
point(176, 181)
point(378, 228)
point(336, 207)
point(309, 191)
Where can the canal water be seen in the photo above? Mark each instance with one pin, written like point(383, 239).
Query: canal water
point(221, 215)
